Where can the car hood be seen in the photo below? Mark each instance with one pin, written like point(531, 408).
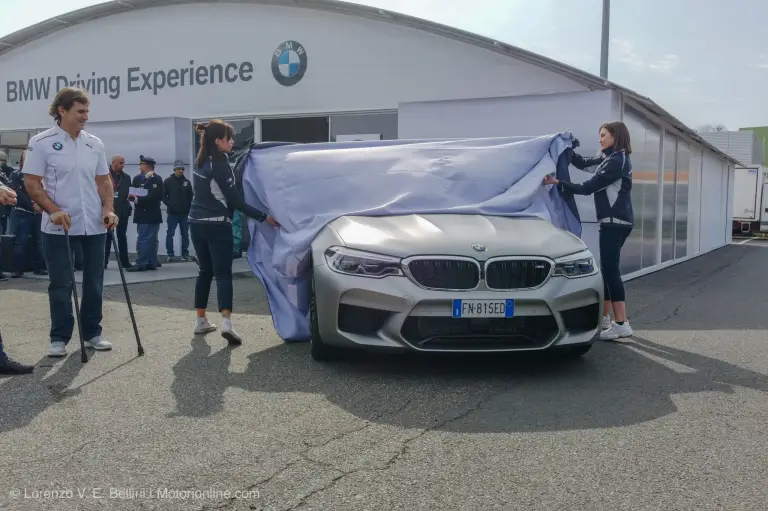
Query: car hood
point(408, 235)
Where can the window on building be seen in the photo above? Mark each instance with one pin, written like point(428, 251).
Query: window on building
point(383, 125)
point(302, 130)
point(13, 143)
point(244, 131)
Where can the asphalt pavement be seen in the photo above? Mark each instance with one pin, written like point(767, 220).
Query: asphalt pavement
point(675, 418)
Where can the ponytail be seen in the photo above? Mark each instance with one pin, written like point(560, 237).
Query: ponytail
point(209, 133)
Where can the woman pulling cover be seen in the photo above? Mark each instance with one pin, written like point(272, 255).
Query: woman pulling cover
point(216, 197)
point(612, 186)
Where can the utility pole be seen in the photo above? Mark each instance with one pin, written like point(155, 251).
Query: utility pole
point(605, 39)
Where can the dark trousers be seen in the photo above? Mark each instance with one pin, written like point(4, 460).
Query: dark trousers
point(26, 225)
point(60, 285)
point(213, 248)
point(612, 238)
point(146, 245)
point(122, 241)
point(77, 252)
point(181, 222)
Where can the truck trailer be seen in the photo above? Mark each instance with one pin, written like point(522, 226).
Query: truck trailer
point(750, 200)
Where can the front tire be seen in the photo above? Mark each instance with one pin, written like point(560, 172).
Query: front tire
point(319, 351)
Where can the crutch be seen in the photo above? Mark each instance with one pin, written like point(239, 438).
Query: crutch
point(113, 235)
point(84, 356)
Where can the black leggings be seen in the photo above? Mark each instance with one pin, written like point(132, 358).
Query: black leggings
point(612, 238)
point(213, 249)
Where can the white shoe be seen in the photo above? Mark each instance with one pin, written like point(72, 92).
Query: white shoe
point(98, 344)
point(58, 349)
point(229, 333)
point(202, 326)
point(616, 332)
point(606, 322)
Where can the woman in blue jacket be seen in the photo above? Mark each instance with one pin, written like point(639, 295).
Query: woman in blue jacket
point(612, 188)
point(215, 200)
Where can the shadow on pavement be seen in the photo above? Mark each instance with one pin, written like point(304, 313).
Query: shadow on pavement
point(612, 386)
point(22, 398)
point(250, 297)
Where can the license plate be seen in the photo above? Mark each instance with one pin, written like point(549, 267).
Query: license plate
point(483, 308)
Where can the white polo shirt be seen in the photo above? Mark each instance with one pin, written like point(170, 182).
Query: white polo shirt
point(69, 168)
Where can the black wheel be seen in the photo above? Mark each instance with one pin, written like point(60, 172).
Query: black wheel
point(318, 349)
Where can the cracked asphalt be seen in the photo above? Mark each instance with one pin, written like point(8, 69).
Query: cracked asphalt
point(675, 418)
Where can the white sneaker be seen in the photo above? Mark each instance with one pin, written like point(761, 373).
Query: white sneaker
point(229, 333)
point(98, 344)
point(202, 326)
point(606, 322)
point(58, 349)
point(616, 332)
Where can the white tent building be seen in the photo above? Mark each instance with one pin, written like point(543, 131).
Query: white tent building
point(323, 70)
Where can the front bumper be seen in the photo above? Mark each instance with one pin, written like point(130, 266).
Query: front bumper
point(395, 313)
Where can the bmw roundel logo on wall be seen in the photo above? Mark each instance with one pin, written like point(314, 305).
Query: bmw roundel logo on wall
point(289, 63)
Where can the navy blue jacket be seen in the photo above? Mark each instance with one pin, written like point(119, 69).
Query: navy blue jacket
point(216, 196)
point(23, 201)
point(611, 184)
point(147, 208)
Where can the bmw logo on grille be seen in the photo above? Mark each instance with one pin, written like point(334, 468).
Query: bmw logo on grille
point(289, 63)
point(478, 248)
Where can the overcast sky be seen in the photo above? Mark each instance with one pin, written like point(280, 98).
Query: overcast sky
point(703, 60)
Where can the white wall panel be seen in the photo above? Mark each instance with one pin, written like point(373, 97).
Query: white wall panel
point(714, 202)
point(694, 200)
point(353, 63)
point(729, 204)
point(160, 139)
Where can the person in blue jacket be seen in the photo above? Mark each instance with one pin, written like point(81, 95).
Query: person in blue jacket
point(8, 365)
point(612, 189)
point(215, 199)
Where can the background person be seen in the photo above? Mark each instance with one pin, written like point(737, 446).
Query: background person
point(121, 183)
point(5, 178)
point(7, 364)
point(26, 219)
point(5, 184)
point(612, 187)
point(215, 198)
point(148, 216)
point(68, 164)
point(177, 196)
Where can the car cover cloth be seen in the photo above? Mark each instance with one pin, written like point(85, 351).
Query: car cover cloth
point(306, 186)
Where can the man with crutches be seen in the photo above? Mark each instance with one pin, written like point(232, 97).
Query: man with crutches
point(67, 175)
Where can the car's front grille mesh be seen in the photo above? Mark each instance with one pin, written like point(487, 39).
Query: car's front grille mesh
point(517, 274)
point(445, 273)
point(480, 333)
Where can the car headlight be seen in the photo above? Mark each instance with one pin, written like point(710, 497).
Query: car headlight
point(362, 264)
point(577, 265)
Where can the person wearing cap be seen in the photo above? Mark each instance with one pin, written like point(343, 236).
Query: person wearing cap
point(148, 215)
point(177, 197)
